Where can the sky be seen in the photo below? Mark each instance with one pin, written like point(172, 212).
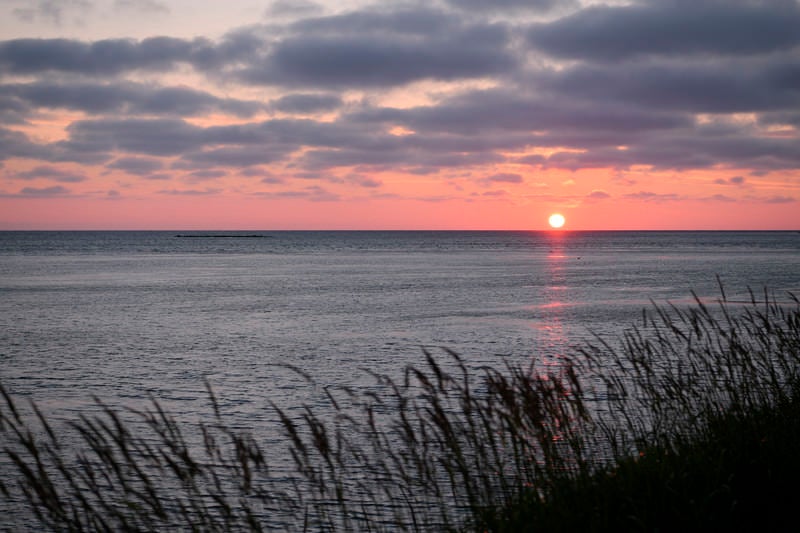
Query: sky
point(448, 114)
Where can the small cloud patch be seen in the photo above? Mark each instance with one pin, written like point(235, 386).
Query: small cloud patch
point(598, 194)
point(50, 173)
point(43, 192)
point(503, 177)
point(736, 180)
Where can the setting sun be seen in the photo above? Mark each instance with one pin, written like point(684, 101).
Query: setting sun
point(556, 220)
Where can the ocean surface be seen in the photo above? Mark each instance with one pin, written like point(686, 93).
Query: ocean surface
point(126, 316)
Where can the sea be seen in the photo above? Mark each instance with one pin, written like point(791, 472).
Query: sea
point(131, 316)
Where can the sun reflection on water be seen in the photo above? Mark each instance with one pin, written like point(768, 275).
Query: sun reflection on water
point(552, 335)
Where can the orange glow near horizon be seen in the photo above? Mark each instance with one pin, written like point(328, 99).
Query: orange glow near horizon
point(231, 211)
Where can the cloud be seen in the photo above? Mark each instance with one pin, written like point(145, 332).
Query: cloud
point(533, 159)
point(122, 98)
point(693, 148)
point(14, 144)
point(736, 180)
point(472, 128)
point(598, 194)
point(309, 175)
point(190, 192)
point(94, 141)
point(365, 181)
point(709, 85)
point(396, 22)
point(160, 176)
point(235, 156)
point(157, 137)
point(116, 56)
point(144, 6)
point(422, 171)
point(394, 155)
point(709, 102)
point(44, 192)
point(510, 5)
point(614, 33)
point(307, 103)
point(647, 196)
point(361, 49)
point(255, 172)
point(208, 174)
point(787, 117)
point(292, 8)
point(497, 120)
point(49, 173)
point(313, 193)
point(503, 177)
point(508, 109)
point(139, 166)
point(372, 49)
point(718, 198)
point(779, 199)
point(50, 11)
point(12, 110)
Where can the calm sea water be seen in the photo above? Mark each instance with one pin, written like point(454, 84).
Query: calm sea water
point(127, 315)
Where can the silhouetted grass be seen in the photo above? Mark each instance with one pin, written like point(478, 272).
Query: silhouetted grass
point(689, 419)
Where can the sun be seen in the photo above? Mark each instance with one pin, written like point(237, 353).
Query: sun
point(556, 220)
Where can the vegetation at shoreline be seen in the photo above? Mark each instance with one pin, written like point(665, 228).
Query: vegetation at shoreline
point(691, 419)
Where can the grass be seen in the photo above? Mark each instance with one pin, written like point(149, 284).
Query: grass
point(739, 475)
point(689, 420)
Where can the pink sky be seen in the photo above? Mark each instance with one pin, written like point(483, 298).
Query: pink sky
point(461, 114)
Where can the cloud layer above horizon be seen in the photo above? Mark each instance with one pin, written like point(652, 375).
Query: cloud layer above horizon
point(533, 105)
